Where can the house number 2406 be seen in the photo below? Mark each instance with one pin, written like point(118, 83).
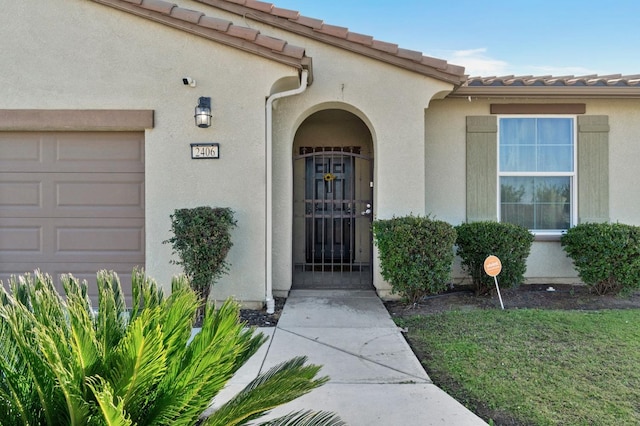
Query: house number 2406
point(205, 150)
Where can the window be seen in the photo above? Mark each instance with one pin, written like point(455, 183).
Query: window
point(537, 172)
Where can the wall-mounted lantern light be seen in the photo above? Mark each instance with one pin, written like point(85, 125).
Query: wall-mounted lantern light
point(203, 112)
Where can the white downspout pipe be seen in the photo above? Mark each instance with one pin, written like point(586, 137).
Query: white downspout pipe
point(269, 191)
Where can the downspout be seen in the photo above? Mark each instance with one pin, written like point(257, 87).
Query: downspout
point(269, 191)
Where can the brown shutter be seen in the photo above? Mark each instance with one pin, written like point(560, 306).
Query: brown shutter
point(593, 168)
point(482, 168)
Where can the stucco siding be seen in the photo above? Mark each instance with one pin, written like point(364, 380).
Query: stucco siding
point(88, 56)
point(391, 102)
point(445, 172)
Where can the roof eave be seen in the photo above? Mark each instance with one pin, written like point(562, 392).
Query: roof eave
point(546, 92)
point(210, 34)
point(455, 76)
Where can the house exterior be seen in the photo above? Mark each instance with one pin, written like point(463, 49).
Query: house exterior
point(315, 131)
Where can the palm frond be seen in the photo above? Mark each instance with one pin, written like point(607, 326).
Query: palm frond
point(210, 360)
point(218, 325)
point(112, 316)
point(83, 341)
point(67, 371)
point(26, 372)
point(112, 414)
point(177, 318)
point(279, 385)
point(146, 293)
point(306, 418)
point(12, 385)
point(140, 362)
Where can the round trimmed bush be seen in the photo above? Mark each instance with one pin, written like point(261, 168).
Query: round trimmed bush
point(606, 255)
point(510, 243)
point(416, 254)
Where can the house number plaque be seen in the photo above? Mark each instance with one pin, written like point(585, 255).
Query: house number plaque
point(205, 151)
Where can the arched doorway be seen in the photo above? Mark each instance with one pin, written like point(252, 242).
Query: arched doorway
point(333, 202)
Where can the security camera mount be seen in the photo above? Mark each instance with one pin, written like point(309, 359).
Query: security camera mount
point(188, 81)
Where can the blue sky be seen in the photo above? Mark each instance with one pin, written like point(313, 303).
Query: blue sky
point(562, 37)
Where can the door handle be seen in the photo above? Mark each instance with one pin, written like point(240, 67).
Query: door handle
point(367, 212)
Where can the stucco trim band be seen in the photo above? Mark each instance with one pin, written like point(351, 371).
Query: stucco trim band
point(538, 108)
point(75, 120)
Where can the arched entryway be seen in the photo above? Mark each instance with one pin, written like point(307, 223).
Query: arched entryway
point(333, 202)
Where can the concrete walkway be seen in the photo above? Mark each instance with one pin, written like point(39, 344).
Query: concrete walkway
point(375, 377)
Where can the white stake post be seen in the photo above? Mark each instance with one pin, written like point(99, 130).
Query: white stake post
point(492, 267)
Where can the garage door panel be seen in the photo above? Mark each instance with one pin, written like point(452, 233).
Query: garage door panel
point(21, 151)
point(38, 240)
point(110, 239)
point(72, 202)
point(19, 192)
point(72, 195)
point(82, 271)
point(78, 152)
point(121, 150)
point(99, 194)
point(19, 239)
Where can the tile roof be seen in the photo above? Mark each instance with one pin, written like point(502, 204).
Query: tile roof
point(548, 80)
point(615, 85)
point(366, 45)
point(213, 28)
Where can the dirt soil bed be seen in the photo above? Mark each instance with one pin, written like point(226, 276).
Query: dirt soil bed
point(555, 296)
point(463, 298)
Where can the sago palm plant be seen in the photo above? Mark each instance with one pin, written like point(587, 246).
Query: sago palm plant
point(64, 363)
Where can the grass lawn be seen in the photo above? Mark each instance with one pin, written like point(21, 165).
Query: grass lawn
point(535, 367)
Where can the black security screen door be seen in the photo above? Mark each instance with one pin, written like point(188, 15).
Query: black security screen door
point(337, 217)
point(329, 194)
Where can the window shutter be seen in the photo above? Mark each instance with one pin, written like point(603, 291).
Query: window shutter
point(482, 168)
point(593, 168)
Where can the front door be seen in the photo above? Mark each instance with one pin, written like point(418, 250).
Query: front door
point(336, 210)
point(329, 187)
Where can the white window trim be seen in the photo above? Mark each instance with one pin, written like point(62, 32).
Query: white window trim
point(573, 175)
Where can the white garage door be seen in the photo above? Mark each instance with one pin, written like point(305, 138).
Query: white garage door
point(72, 202)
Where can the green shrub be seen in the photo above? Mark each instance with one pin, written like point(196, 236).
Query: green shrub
point(606, 255)
point(416, 254)
point(202, 240)
point(63, 364)
point(510, 243)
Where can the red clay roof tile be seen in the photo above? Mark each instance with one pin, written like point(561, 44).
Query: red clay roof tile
point(316, 24)
point(285, 13)
point(385, 46)
point(367, 40)
point(333, 30)
point(215, 23)
point(259, 5)
point(159, 6)
point(270, 42)
point(293, 51)
point(410, 54)
point(192, 16)
point(243, 32)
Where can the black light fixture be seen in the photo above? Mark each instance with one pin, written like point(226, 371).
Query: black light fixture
point(203, 112)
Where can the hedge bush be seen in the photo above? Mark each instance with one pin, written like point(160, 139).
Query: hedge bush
point(202, 240)
point(606, 255)
point(510, 243)
point(416, 254)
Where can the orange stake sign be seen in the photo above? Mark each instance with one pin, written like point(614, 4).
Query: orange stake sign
point(493, 266)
